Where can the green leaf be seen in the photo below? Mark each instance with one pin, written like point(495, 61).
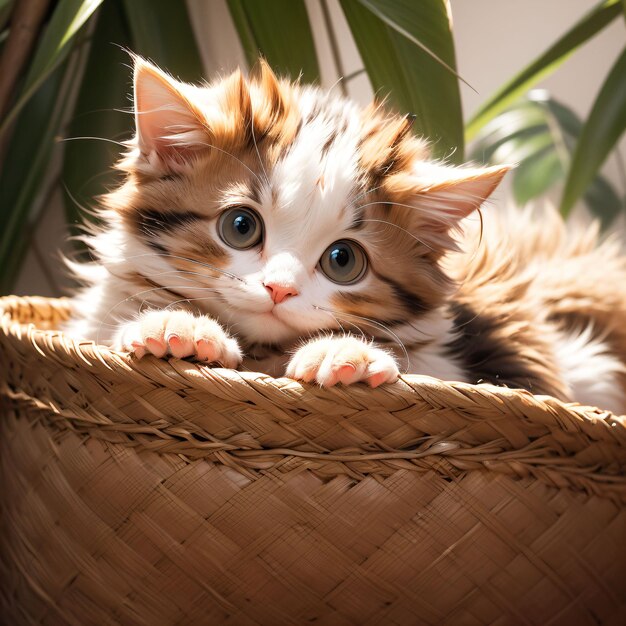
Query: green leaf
point(98, 121)
point(280, 31)
point(522, 148)
point(68, 18)
point(373, 6)
point(545, 64)
point(415, 81)
point(536, 175)
point(514, 126)
point(498, 147)
point(540, 134)
point(31, 147)
point(604, 126)
point(161, 31)
point(603, 201)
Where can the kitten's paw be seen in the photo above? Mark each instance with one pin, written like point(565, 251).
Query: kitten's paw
point(346, 360)
point(179, 334)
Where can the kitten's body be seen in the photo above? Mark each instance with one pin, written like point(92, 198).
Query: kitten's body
point(522, 306)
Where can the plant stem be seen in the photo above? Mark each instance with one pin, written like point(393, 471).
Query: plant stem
point(26, 23)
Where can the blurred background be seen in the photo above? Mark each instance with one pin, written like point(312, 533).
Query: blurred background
point(540, 82)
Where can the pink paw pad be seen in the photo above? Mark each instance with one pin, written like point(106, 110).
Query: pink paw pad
point(344, 374)
point(158, 348)
point(377, 379)
point(178, 347)
point(206, 351)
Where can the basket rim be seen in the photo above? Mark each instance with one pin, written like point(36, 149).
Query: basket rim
point(173, 373)
point(518, 433)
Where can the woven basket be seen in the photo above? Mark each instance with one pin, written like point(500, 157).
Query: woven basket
point(153, 492)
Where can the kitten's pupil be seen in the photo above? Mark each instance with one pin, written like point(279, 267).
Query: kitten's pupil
point(340, 256)
point(242, 224)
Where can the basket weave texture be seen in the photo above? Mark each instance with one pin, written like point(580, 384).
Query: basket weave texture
point(166, 492)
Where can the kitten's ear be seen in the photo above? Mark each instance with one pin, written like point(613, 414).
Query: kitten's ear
point(169, 127)
point(452, 193)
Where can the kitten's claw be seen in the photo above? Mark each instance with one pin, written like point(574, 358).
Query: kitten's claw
point(178, 334)
point(345, 360)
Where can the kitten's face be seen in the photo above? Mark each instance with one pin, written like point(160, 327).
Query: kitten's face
point(282, 210)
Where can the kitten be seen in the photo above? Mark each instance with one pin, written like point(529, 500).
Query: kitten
point(276, 227)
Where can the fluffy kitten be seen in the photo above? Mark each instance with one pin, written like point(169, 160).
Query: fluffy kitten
point(279, 228)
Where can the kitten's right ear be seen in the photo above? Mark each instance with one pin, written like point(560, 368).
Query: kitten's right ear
point(169, 127)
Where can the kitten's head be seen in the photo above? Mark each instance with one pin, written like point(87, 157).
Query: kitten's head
point(283, 209)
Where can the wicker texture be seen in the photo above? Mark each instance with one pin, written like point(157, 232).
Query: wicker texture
point(153, 492)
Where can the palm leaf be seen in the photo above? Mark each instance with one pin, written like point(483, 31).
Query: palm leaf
point(68, 18)
point(30, 148)
point(604, 126)
point(280, 31)
point(98, 119)
point(419, 78)
point(161, 31)
point(535, 176)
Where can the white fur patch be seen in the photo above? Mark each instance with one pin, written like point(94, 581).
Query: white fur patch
point(590, 371)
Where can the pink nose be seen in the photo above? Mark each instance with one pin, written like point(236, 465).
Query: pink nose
point(279, 293)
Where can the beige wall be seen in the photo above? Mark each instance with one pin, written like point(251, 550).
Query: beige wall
point(494, 38)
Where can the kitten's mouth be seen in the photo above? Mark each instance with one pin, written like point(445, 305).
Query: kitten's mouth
point(288, 319)
point(278, 323)
point(274, 313)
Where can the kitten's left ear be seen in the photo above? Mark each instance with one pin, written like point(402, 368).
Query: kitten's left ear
point(169, 127)
point(453, 192)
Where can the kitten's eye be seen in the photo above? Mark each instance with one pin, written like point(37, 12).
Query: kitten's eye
point(344, 262)
point(240, 228)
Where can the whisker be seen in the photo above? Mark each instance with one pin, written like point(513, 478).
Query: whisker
point(209, 145)
point(356, 326)
point(105, 139)
point(420, 241)
point(182, 258)
point(430, 204)
point(256, 147)
point(374, 323)
point(365, 192)
point(340, 325)
point(83, 208)
point(190, 300)
point(438, 215)
point(167, 272)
